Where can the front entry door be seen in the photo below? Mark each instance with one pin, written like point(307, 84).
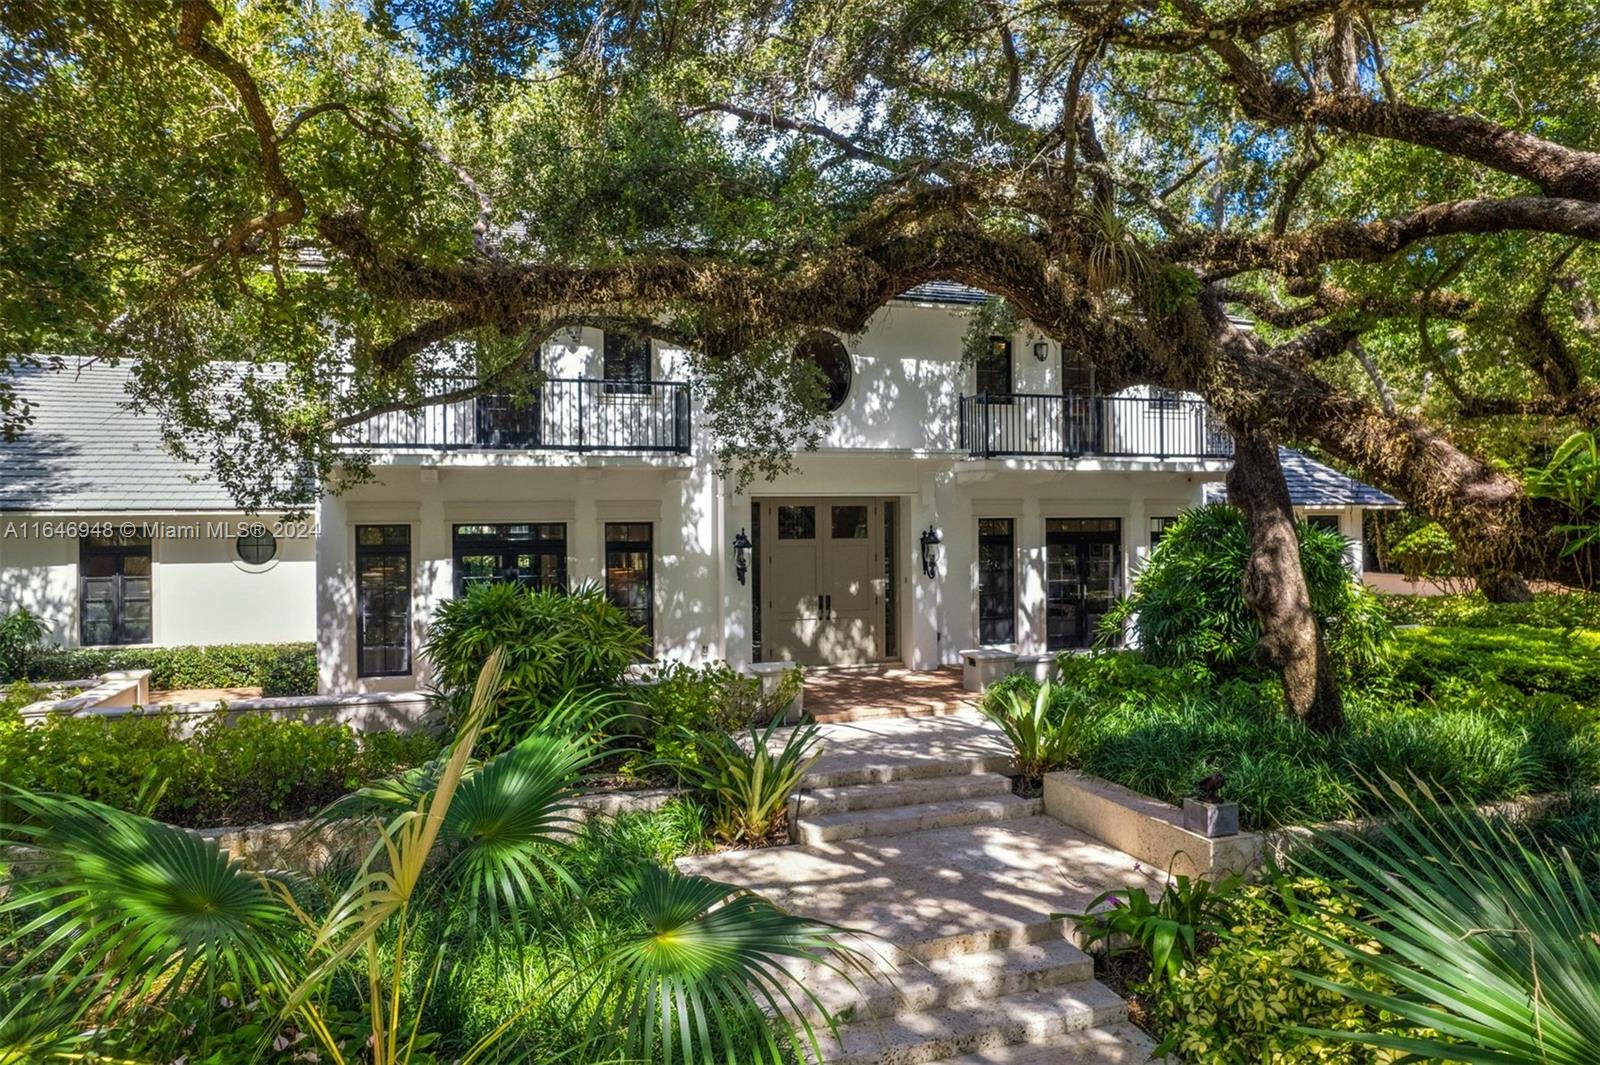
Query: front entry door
point(1083, 577)
point(822, 581)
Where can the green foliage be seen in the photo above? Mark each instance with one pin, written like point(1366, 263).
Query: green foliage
point(1429, 553)
point(275, 668)
point(1162, 730)
point(1529, 659)
point(1490, 942)
point(994, 317)
point(255, 769)
point(1572, 479)
point(1042, 732)
point(557, 644)
point(678, 700)
point(1187, 604)
point(1243, 1000)
point(747, 781)
point(1165, 930)
point(1572, 610)
point(20, 635)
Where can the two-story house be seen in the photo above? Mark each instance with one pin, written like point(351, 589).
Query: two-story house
point(948, 505)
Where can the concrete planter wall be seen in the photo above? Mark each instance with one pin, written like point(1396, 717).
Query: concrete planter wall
point(287, 845)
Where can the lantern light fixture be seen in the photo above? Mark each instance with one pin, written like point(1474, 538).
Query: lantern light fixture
point(741, 556)
point(930, 553)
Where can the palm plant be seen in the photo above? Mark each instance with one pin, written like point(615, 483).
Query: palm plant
point(1043, 736)
point(749, 782)
point(1495, 943)
point(107, 914)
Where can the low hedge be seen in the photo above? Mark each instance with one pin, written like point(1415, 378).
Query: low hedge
point(255, 769)
point(275, 668)
point(1533, 660)
point(1569, 610)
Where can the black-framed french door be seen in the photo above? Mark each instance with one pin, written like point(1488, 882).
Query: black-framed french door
point(531, 553)
point(997, 581)
point(1083, 578)
point(631, 571)
point(114, 594)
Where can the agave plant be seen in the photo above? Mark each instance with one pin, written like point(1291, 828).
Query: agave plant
point(749, 782)
point(1042, 737)
point(1496, 943)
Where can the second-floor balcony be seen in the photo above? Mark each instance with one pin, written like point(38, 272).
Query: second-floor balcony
point(1073, 424)
point(564, 414)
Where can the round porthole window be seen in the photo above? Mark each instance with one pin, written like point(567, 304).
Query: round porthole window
point(827, 353)
point(256, 546)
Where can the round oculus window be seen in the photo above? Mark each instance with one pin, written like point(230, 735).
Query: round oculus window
point(256, 547)
point(827, 353)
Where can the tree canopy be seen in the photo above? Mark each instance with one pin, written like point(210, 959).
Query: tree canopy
point(293, 213)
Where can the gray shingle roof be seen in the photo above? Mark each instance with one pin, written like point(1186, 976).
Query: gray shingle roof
point(85, 453)
point(1311, 484)
point(944, 292)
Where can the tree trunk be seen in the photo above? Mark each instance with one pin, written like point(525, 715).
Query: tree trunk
point(1275, 584)
point(1504, 586)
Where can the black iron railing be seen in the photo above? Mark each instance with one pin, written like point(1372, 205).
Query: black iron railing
point(1085, 423)
point(565, 414)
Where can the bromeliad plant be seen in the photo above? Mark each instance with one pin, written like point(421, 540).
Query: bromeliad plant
point(1166, 930)
point(108, 919)
point(748, 782)
point(1042, 731)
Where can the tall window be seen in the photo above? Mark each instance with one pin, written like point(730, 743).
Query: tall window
point(891, 589)
point(630, 571)
point(383, 600)
point(626, 367)
point(997, 609)
point(994, 369)
point(114, 590)
point(530, 553)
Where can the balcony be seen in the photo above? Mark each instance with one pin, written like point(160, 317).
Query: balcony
point(1075, 424)
point(566, 414)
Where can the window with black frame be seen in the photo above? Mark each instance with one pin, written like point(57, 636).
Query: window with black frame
point(114, 590)
point(997, 585)
point(630, 571)
point(994, 371)
point(1158, 530)
point(533, 554)
point(383, 600)
point(626, 365)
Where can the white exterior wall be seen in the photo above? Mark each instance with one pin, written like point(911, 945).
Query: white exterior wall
point(201, 593)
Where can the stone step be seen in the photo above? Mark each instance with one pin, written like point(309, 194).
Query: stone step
point(902, 820)
point(889, 772)
point(1025, 1017)
point(819, 801)
point(1115, 1044)
point(878, 713)
point(904, 985)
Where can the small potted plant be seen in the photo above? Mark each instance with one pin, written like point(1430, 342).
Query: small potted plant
point(1209, 815)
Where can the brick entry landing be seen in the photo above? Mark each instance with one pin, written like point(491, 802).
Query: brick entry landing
point(861, 693)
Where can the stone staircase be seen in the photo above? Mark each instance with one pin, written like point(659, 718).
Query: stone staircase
point(951, 878)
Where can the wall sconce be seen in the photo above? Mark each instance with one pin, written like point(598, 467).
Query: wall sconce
point(741, 556)
point(1041, 350)
point(930, 553)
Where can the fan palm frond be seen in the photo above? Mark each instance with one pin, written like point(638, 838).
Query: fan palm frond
point(706, 978)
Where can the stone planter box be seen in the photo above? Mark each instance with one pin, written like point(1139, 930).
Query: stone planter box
point(981, 667)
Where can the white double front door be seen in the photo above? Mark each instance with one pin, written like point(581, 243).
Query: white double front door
point(822, 581)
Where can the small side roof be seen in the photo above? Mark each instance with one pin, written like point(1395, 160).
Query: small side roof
point(86, 453)
point(1311, 484)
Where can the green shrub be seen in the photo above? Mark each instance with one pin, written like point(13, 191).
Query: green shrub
point(1167, 930)
point(557, 643)
point(1188, 606)
point(1529, 659)
point(20, 636)
point(256, 769)
point(677, 700)
point(1042, 731)
point(1428, 553)
point(275, 668)
point(1243, 1000)
point(747, 783)
point(1570, 610)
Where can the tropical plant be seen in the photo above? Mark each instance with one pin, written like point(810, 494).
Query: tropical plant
point(20, 635)
point(1043, 735)
point(674, 697)
point(1490, 942)
point(107, 915)
point(1187, 604)
point(748, 781)
point(556, 643)
point(1428, 553)
point(1572, 478)
point(1166, 930)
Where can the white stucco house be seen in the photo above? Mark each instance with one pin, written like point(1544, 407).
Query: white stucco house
point(948, 506)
